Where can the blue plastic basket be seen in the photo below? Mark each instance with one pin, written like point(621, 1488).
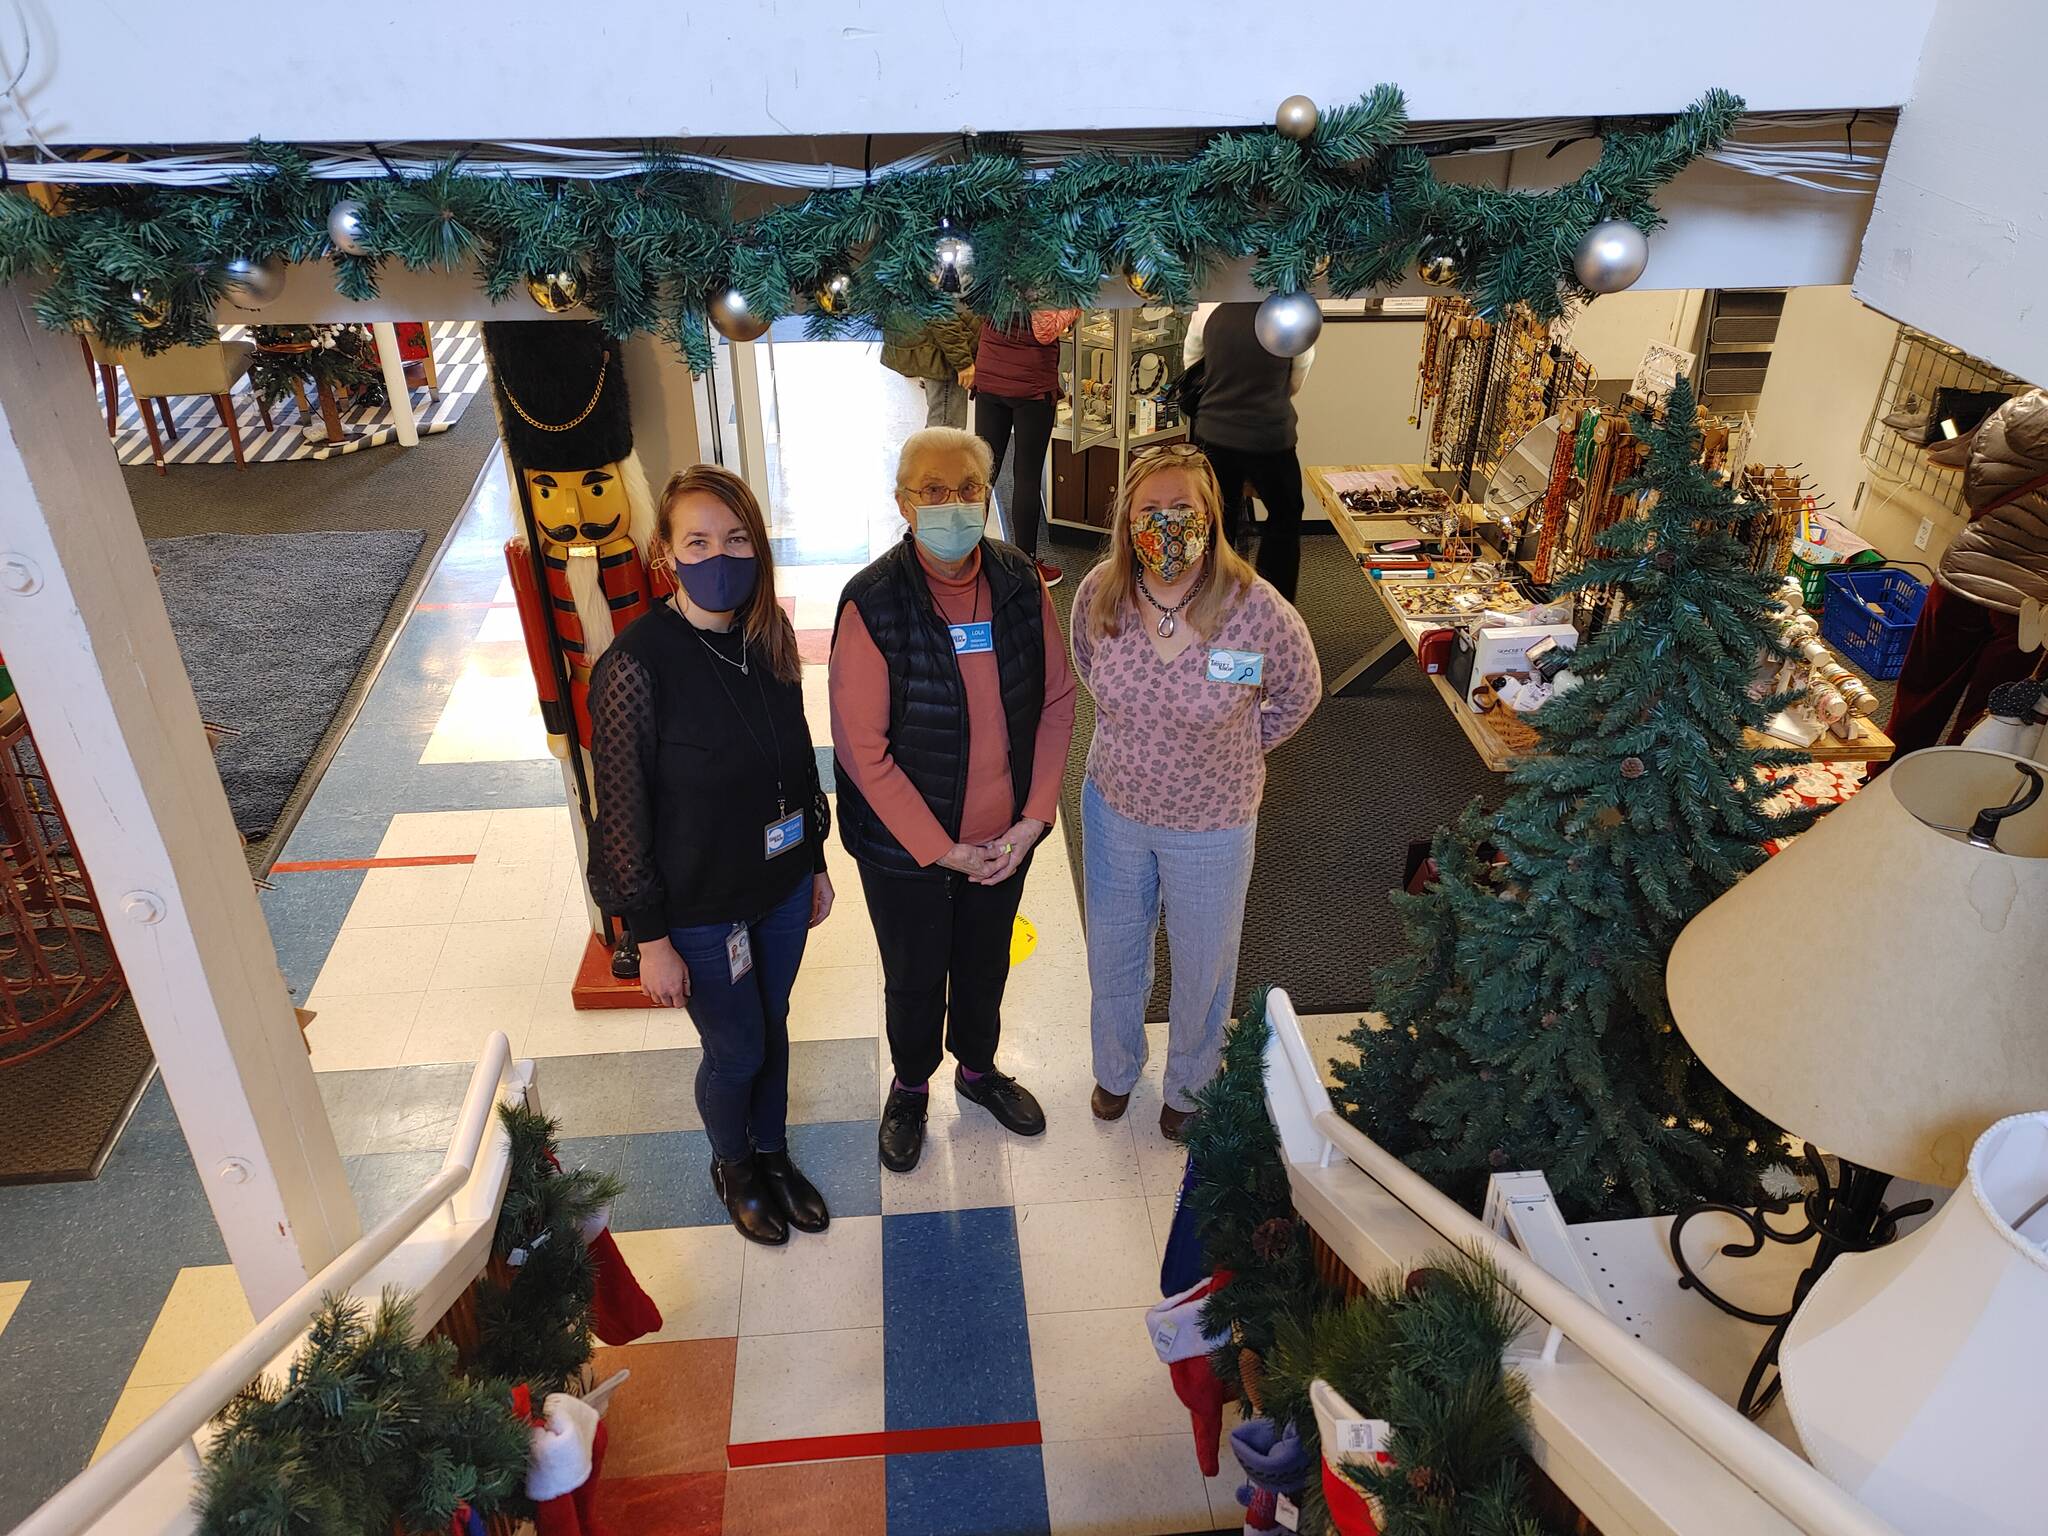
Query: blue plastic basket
point(1869, 617)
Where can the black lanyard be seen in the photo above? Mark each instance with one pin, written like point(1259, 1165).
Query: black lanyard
point(774, 760)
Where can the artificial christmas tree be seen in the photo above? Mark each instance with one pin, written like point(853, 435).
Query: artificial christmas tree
point(1526, 1024)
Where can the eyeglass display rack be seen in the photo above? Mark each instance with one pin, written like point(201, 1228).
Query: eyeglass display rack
point(1119, 369)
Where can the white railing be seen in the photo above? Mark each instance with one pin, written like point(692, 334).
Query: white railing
point(1312, 1132)
point(454, 1211)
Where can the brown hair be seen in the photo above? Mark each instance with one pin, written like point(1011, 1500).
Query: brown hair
point(761, 620)
point(1230, 576)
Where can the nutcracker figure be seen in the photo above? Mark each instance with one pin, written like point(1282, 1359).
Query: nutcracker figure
point(579, 572)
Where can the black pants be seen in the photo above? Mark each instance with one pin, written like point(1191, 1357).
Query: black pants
point(1276, 477)
point(945, 946)
point(995, 417)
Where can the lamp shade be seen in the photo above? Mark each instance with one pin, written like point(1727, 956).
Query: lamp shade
point(1914, 1373)
point(1880, 987)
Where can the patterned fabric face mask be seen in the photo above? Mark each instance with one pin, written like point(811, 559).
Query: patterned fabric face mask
point(1168, 540)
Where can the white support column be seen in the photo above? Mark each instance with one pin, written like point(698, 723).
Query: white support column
point(746, 415)
point(394, 383)
point(90, 648)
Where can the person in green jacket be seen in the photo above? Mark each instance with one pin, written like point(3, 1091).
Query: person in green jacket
point(940, 356)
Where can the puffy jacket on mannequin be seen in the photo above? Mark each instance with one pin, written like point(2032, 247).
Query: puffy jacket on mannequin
point(2002, 556)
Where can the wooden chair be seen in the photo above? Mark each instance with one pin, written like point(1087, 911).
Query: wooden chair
point(212, 370)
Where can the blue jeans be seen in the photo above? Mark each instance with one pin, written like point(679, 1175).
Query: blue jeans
point(1129, 868)
point(743, 1080)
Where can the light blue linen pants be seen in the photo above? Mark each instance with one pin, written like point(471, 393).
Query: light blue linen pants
point(1129, 868)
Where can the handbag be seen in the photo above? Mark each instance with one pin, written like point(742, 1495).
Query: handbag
point(1967, 408)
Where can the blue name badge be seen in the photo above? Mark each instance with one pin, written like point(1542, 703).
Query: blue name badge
point(785, 834)
point(973, 639)
point(1248, 667)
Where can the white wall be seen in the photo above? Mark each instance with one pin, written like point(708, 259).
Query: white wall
point(1355, 405)
point(117, 71)
point(1958, 245)
point(1611, 332)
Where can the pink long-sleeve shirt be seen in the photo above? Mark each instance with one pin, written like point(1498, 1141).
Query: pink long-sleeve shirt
point(1174, 748)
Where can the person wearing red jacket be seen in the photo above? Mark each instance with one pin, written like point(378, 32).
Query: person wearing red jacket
point(1016, 380)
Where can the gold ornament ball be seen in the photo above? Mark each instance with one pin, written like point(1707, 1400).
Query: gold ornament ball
point(555, 292)
point(734, 318)
point(152, 305)
point(1438, 266)
point(832, 297)
point(1143, 286)
point(1297, 117)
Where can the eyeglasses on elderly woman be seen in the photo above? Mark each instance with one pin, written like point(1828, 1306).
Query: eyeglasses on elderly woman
point(936, 493)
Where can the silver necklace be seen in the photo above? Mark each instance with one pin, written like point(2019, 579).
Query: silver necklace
point(1166, 624)
point(739, 666)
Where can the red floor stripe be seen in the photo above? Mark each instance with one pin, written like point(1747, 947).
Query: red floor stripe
point(417, 861)
point(888, 1442)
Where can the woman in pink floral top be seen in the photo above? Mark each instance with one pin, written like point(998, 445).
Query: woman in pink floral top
point(1199, 668)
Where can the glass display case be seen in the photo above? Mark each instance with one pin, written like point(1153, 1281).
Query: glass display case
point(1119, 369)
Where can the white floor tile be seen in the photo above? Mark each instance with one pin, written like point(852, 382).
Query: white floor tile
point(825, 1280)
point(1160, 1209)
point(669, 1029)
point(965, 1167)
point(835, 1002)
point(453, 1023)
point(367, 960)
point(559, 1028)
point(501, 893)
point(1078, 1158)
point(572, 938)
point(847, 937)
point(349, 1033)
point(492, 715)
point(1085, 1255)
point(529, 835)
point(418, 834)
point(494, 954)
point(693, 1276)
point(1098, 1377)
point(789, 1386)
point(1147, 1486)
point(1225, 1513)
point(397, 898)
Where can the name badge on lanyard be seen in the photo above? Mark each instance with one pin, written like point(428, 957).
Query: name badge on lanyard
point(739, 952)
point(973, 639)
point(785, 834)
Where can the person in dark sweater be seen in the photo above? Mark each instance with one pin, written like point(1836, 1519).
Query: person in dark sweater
point(1245, 424)
point(711, 829)
point(1016, 379)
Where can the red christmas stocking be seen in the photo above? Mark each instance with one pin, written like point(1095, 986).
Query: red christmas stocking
point(622, 1311)
point(575, 1513)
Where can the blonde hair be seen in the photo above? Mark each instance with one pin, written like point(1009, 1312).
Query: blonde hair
point(761, 620)
point(944, 440)
point(1230, 575)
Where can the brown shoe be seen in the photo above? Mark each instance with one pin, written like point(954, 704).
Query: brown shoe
point(1107, 1105)
point(1173, 1122)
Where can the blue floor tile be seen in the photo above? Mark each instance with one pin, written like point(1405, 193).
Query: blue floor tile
point(839, 1157)
point(969, 1493)
point(384, 1181)
point(68, 1422)
point(957, 1349)
point(667, 1175)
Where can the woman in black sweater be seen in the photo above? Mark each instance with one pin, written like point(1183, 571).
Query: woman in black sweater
point(711, 829)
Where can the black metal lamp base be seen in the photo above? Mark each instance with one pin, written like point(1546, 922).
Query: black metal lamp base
point(1848, 1216)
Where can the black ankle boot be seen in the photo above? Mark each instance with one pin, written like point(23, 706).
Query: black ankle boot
point(797, 1196)
point(748, 1201)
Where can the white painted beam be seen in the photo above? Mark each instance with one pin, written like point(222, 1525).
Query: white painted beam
point(90, 648)
point(402, 418)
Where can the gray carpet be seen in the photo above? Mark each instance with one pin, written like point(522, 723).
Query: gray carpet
point(274, 629)
point(423, 488)
point(1344, 799)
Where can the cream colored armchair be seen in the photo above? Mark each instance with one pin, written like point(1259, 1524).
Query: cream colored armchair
point(205, 370)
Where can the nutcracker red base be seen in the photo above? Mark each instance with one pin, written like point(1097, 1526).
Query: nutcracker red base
point(595, 985)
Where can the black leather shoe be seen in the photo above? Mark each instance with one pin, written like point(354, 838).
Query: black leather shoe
point(748, 1201)
point(626, 958)
point(1016, 1111)
point(902, 1136)
point(797, 1196)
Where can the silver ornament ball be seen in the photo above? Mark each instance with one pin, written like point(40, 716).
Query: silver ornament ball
point(952, 263)
point(1612, 256)
point(1287, 324)
point(253, 284)
point(348, 227)
point(1297, 117)
point(735, 319)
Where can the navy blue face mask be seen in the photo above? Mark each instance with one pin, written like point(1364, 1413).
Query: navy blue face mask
point(721, 583)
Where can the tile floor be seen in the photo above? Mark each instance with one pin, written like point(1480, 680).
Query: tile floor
point(961, 1355)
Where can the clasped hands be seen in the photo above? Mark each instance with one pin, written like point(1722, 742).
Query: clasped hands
point(993, 862)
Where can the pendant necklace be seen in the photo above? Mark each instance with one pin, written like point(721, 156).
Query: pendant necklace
point(739, 666)
point(1166, 624)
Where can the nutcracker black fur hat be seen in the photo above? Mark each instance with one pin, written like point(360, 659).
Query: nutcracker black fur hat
point(545, 375)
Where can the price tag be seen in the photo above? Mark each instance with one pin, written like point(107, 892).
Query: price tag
point(739, 952)
point(1245, 667)
point(1362, 1437)
point(1286, 1513)
point(973, 639)
point(785, 834)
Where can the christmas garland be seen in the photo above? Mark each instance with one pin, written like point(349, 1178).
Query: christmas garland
point(371, 1430)
point(536, 1328)
point(1423, 1353)
point(662, 252)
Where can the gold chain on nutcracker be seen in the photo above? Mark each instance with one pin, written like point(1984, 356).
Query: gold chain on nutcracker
point(603, 366)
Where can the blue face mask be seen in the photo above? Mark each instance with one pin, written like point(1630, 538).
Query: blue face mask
point(721, 583)
point(950, 532)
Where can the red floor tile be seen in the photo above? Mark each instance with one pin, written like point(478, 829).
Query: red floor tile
point(847, 1498)
point(674, 1414)
point(680, 1504)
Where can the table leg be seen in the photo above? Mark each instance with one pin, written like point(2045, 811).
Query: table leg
point(1357, 680)
point(331, 416)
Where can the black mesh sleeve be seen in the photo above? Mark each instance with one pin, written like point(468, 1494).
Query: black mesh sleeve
point(624, 875)
point(821, 818)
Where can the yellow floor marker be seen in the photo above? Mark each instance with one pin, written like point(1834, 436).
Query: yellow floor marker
point(1023, 940)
